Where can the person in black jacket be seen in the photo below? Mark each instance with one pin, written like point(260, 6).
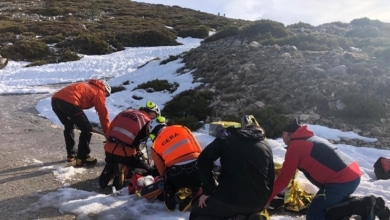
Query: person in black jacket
point(246, 175)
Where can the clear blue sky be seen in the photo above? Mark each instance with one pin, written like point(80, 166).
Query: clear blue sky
point(314, 12)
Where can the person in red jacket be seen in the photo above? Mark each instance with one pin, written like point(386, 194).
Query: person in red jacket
point(175, 151)
point(127, 131)
point(68, 104)
point(334, 173)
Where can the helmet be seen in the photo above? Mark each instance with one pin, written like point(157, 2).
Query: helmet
point(151, 106)
point(107, 87)
point(155, 126)
point(248, 120)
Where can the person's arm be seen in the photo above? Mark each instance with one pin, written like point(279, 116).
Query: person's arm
point(206, 163)
point(288, 170)
point(101, 109)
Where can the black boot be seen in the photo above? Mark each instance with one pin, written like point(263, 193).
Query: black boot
point(363, 206)
point(381, 210)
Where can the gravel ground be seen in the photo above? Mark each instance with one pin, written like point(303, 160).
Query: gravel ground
point(28, 143)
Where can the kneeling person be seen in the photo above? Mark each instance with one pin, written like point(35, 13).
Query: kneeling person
point(175, 151)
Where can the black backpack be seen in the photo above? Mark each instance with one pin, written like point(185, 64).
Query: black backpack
point(382, 168)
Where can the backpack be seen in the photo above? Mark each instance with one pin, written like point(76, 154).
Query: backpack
point(382, 168)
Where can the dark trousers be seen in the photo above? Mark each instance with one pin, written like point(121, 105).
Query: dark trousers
point(182, 176)
point(329, 195)
point(218, 210)
point(71, 115)
point(132, 162)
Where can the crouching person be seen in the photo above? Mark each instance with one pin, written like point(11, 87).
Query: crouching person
point(246, 176)
point(175, 151)
point(127, 130)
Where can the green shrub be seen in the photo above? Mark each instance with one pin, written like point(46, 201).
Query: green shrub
point(190, 122)
point(360, 107)
point(31, 49)
point(272, 119)
point(227, 32)
point(158, 85)
point(309, 42)
point(14, 29)
point(363, 32)
point(265, 28)
point(171, 58)
point(195, 32)
point(69, 56)
point(87, 44)
point(115, 89)
point(189, 103)
point(383, 54)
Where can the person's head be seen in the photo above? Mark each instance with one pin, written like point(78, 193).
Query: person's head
point(107, 87)
point(152, 109)
point(155, 127)
point(289, 130)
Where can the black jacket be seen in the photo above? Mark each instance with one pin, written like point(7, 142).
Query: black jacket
point(247, 168)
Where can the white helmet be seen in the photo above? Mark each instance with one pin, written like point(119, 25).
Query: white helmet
point(107, 87)
point(151, 106)
point(155, 126)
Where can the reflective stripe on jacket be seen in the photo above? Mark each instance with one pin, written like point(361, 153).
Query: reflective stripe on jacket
point(174, 144)
point(129, 127)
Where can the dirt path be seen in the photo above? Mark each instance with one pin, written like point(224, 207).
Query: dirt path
point(29, 146)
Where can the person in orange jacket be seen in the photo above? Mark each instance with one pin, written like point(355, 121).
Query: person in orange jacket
point(127, 131)
point(68, 104)
point(175, 152)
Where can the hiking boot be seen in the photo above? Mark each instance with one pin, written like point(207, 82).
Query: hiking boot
point(87, 161)
point(170, 202)
point(186, 203)
point(70, 158)
point(106, 175)
point(381, 210)
point(263, 215)
point(369, 209)
point(119, 176)
point(238, 217)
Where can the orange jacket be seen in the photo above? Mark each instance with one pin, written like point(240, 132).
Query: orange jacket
point(128, 129)
point(174, 144)
point(85, 96)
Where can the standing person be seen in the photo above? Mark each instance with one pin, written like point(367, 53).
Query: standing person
point(246, 175)
point(333, 172)
point(68, 104)
point(175, 151)
point(126, 132)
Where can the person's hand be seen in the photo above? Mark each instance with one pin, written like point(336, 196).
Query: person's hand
point(202, 200)
point(267, 205)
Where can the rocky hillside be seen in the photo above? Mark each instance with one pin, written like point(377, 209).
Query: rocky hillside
point(322, 87)
point(334, 74)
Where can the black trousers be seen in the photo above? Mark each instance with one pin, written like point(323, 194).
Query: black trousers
point(182, 176)
point(71, 115)
point(132, 162)
point(218, 210)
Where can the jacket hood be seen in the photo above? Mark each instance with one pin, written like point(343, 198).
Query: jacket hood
point(97, 83)
point(303, 132)
point(254, 133)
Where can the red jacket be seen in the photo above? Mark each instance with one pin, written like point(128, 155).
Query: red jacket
point(85, 96)
point(318, 159)
point(128, 128)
